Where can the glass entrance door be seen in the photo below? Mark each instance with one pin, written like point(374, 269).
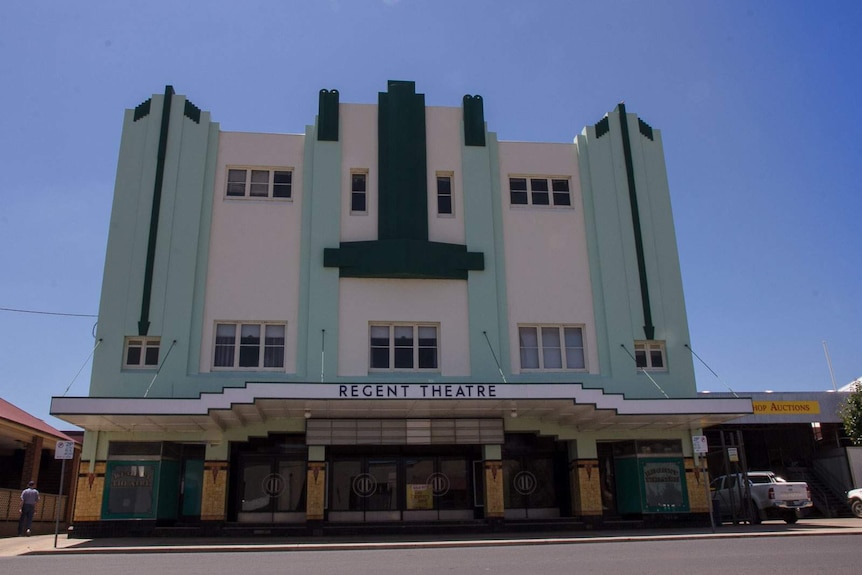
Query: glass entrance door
point(438, 488)
point(535, 472)
point(380, 490)
point(396, 488)
point(364, 490)
point(271, 490)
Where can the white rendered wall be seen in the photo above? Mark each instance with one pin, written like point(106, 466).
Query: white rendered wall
point(443, 153)
point(254, 259)
point(443, 302)
point(547, 268)
point(358, 125)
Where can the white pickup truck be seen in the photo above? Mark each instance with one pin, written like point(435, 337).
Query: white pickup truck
point(766, 496)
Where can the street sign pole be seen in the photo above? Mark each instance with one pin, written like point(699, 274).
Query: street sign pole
point(708, 494)
point(59, 498)
point(64, 450)
point(701, 448)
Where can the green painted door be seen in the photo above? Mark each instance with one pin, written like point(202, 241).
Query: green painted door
point(193, 476)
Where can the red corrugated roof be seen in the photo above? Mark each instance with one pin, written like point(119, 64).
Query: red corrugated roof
point(16, 415)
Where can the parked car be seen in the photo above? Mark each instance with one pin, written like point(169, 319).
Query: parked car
point(854, 500)
point(765, 496)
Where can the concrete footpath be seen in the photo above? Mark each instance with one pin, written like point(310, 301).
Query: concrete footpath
point(44, 544)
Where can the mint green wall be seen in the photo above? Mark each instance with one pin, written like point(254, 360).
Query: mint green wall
point(662, 257)
point(203, 250)
point(486, 289)
point(179, 270)
point(613, 261)
point(321, 220)
point(123, 276)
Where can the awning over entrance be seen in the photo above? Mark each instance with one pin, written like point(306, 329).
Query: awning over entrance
point(563, 404)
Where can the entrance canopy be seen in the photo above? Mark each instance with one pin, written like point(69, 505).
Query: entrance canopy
point(563, 404)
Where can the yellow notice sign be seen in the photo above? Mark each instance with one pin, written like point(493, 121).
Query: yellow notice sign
point(419, 496)
point(786, 407)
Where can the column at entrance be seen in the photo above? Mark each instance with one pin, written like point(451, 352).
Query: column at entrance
point(493, 456)
point(316, 483)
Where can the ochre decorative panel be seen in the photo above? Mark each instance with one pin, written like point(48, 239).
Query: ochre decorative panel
point(697, 482)
point(316, 483)
point(214, 495)
point(494, 489)
point(587, 486)
point(91, 489)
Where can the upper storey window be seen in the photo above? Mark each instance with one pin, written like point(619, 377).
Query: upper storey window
point(249, 345)
point(444, 194)
point(141, 352)
point(650, 355)
point(540, 191)
point(260, 183)
point(359, 192)
point(548, 347)
point(404, 347)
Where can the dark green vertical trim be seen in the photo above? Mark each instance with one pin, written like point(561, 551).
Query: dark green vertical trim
point(144, 323)
point(403, 258)
point(474, 121)
point(603, 127)
point(402, 249)
point(142, 110)
point(649, 329)
point(192, 112)
point(327, 116)
point(645, 129)
point(402, 187)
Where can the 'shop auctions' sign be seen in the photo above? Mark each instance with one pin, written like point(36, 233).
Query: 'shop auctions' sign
point(786, 407)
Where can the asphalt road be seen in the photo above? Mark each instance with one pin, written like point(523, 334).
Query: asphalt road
point(833, 554)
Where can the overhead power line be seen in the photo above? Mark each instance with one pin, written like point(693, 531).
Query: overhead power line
point(47, 312)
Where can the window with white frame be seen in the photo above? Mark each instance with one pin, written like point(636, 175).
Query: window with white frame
point(552, 347)
point(359, 192)
point(249, 345)
point(403, 347)
point(260, 183)
point(444, 194)
point(649, 355)
point(141, 352)
point(540, 191)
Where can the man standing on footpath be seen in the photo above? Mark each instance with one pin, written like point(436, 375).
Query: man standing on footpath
point(29, 497)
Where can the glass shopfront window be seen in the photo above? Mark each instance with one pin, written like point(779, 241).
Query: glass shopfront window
point(131, 489)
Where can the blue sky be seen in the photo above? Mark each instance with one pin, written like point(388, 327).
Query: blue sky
point(756, 102)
